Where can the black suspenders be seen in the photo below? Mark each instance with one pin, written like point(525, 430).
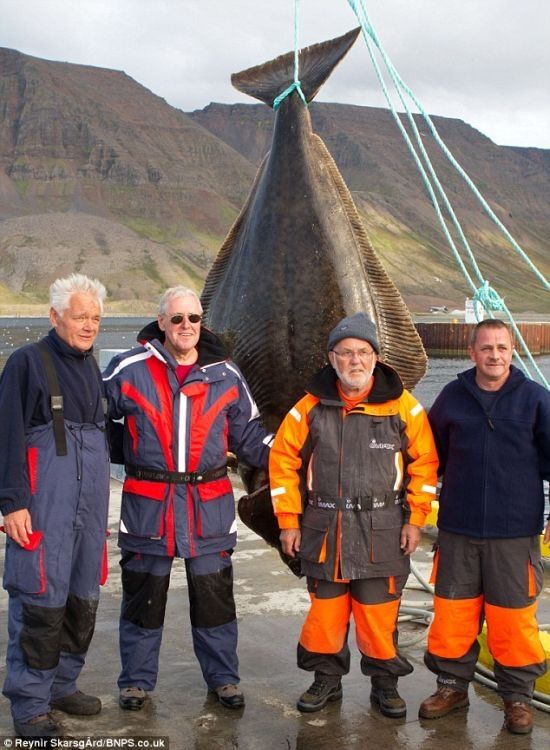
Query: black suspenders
point(56, 398)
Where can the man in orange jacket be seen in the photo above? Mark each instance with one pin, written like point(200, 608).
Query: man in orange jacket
point(353, 473)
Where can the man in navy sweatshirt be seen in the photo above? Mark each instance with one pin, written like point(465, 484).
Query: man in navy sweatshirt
point(492, 431)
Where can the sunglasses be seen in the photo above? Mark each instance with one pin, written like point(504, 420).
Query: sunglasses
point(191, 317)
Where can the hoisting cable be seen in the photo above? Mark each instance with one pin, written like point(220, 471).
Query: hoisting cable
point(482, 292)
point(295, 86)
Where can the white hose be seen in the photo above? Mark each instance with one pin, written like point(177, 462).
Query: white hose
point(486, 677)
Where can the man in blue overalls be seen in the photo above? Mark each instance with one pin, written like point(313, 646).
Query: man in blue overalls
point(54, 491)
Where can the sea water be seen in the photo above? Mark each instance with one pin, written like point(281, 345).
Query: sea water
point(120, 333)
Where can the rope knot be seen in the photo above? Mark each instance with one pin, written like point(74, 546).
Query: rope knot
point(295, 86)
point(488, 297)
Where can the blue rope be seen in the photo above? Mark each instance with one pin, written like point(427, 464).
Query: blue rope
point(483, 293)
point(295, 86)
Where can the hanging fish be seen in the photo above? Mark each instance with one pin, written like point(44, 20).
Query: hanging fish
point(298, 257)
point(297, 260)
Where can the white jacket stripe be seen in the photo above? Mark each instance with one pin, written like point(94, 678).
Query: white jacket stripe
point(182, 433)
point(129, 361)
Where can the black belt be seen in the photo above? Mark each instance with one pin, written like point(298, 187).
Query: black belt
point(364, 502)
point(175, 477)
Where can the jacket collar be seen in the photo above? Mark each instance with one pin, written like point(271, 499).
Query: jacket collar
point(62, 348)
point(210, 347)
point(387, 385)
point(468, 380)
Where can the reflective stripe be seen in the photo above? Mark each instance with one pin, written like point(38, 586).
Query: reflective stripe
point(254, 412)
point(268, 439)
point(296, 414)
point(128, 361)
point(182, 434)
point(416, 410)
point(430, 489)
point(278, 491)
point(398, 472)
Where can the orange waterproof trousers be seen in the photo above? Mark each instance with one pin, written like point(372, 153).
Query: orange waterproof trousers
point(496, 580)
point(374, 603)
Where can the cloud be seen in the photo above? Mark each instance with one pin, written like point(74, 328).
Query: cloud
point(484, 62)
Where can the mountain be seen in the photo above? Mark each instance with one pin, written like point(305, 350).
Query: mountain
point(99, 174)
point(401, 221)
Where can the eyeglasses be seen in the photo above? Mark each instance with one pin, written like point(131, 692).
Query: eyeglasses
point(349, 354)
point(180, 317)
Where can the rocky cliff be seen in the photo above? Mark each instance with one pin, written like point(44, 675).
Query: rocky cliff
point(100, 175)
point(97, 173)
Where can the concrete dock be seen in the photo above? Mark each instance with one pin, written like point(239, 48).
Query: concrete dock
point(271, 604)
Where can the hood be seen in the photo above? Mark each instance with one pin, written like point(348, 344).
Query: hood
point(211, 348)
point(387, 385)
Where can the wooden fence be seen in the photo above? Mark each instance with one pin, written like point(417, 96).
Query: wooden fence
point(451, 339)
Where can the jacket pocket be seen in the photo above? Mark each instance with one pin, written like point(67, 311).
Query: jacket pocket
point(435, 567)
point(535, 572)
point(143, 507)
point(315, 525)
point(24, 569)
point(386, 525)
point(216, 509)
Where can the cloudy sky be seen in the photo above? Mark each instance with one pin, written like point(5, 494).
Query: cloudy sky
point(484, 61)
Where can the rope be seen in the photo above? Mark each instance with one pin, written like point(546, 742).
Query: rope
point(295, 86)
point(482, 292)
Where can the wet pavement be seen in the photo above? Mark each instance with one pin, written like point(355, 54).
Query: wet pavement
point(271, 605)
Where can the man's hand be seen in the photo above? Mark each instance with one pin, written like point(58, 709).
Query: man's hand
point(290, 541)
point(547, 533)
point(410, 537)
point(18, 526)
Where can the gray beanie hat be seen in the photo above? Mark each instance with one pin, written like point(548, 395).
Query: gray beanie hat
point(358, 326)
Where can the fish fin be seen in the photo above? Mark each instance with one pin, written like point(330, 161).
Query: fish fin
point(265, 82)
point(401, 346)
point(222, 259)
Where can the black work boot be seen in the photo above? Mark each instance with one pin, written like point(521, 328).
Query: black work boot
point(230, 696)
point(384, 695)
point(325, 688)
point(132, 698)
point(78, 704)
point(43, 725)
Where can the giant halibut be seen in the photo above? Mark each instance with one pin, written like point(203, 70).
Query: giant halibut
point(298, 258)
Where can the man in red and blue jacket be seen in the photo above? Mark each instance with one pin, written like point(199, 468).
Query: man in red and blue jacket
point(185, 406)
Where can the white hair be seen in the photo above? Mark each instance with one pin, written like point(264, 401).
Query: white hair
point(62, 290)
point(172, 293)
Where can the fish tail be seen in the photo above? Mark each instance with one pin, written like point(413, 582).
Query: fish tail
point(265, 82)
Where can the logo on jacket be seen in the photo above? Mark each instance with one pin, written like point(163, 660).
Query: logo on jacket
point(382, 446)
